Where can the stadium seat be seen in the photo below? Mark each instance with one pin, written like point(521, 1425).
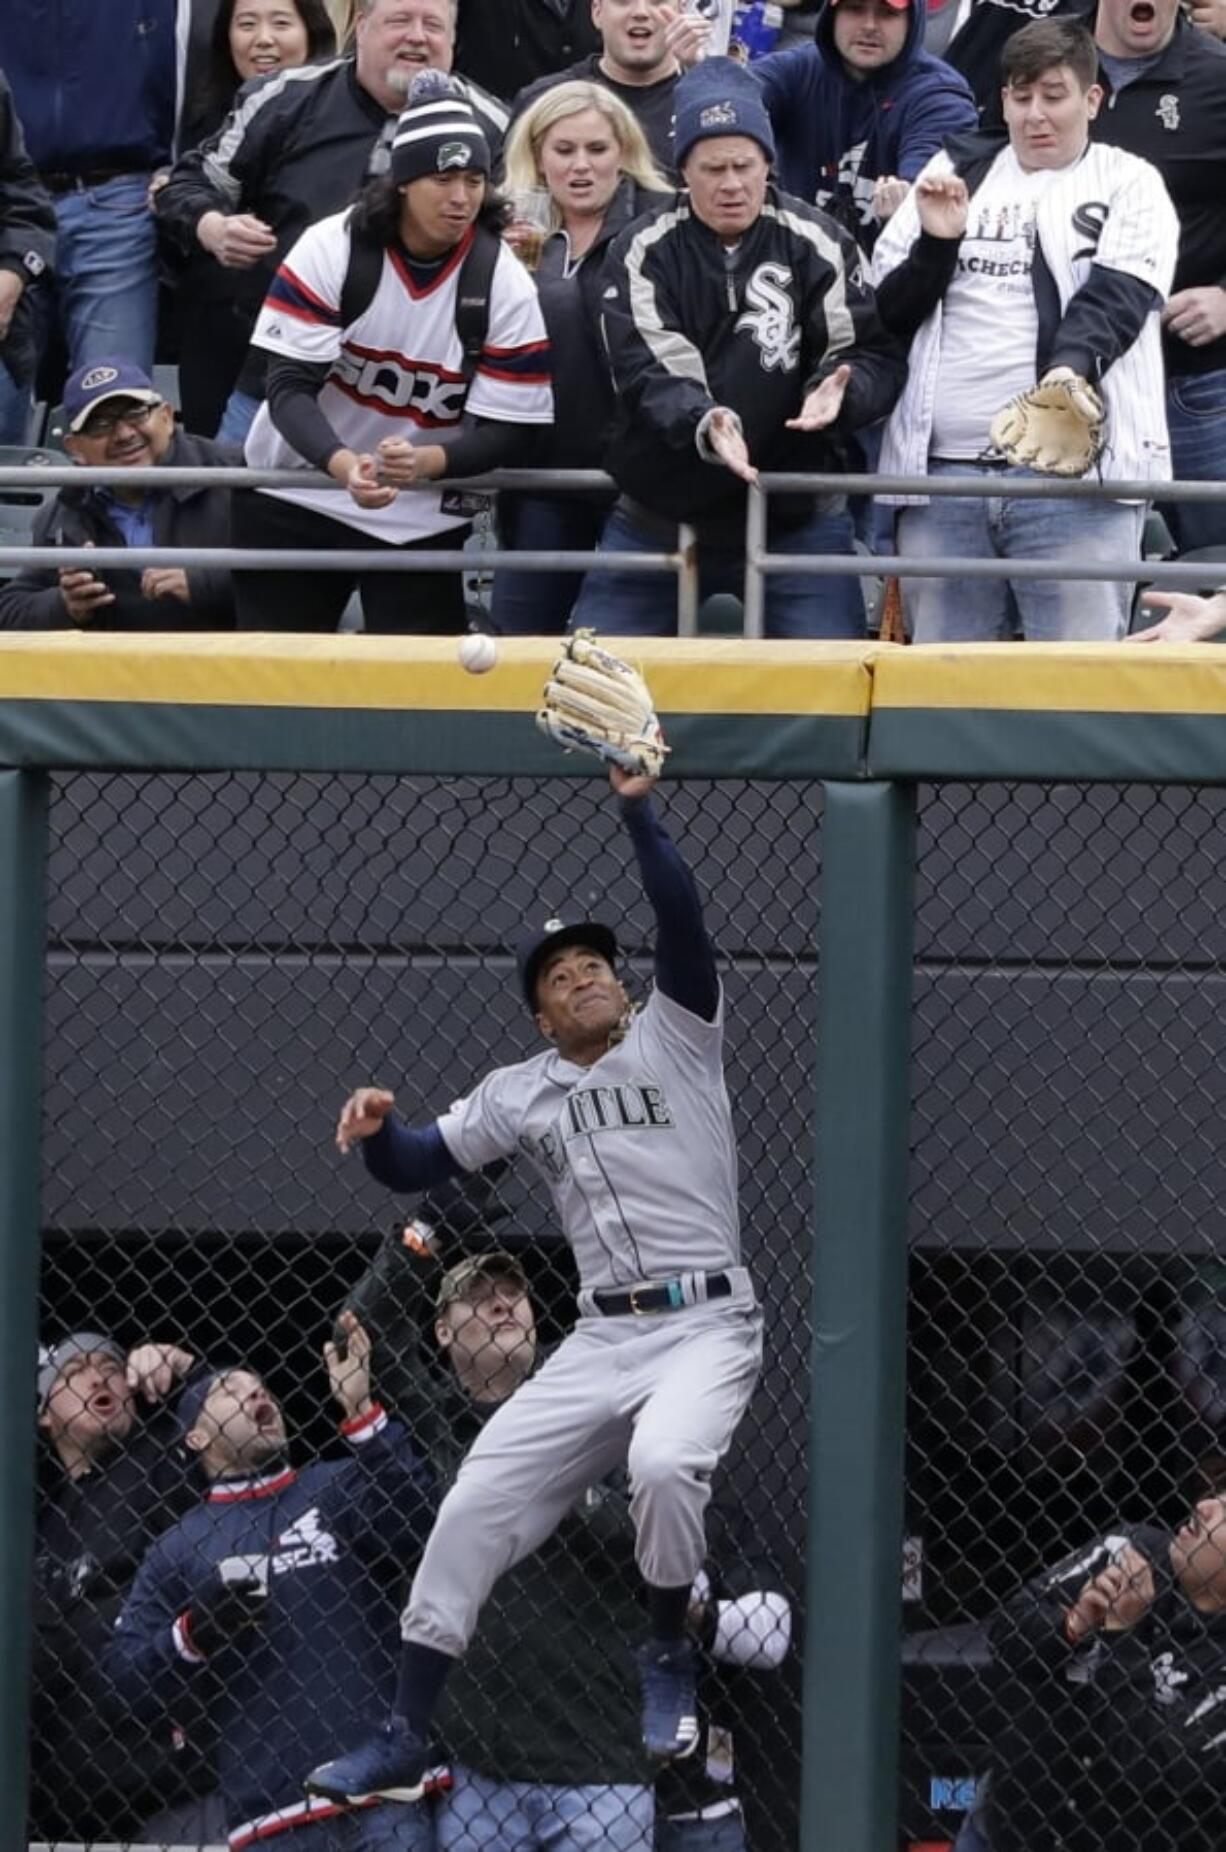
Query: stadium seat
point(19, 506)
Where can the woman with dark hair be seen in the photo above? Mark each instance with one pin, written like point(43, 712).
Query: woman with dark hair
point(580, 143)
point(249, 40)
point(372, 381)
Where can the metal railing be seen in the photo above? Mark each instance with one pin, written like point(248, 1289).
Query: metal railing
point(683, 560)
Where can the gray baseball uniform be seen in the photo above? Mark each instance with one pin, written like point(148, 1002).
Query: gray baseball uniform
point(637, 1151)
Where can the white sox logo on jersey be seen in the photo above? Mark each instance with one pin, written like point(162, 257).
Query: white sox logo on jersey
point(1167, 111)
point(304, 1542)
point(772, 319)
point(1088, 222)
point(383, 380)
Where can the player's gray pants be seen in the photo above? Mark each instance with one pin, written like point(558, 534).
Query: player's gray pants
point(661, 1394)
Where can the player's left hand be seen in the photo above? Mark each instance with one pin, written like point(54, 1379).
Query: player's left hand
point(349, 1376)
point(630, 784)
point(154, 1369)
point(823, 405)
point(1197, 316)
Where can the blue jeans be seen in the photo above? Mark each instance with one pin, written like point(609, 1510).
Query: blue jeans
point(644, 604)
point(390, 1827)
point(723, 1835)
point(238, 417)
point(978, 610)
point(1196, 417)
point(106, 272)
point(15, 404)
point(481, 1815)
point(527, 604)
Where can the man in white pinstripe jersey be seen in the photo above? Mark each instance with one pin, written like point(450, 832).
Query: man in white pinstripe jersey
point(1010, 261)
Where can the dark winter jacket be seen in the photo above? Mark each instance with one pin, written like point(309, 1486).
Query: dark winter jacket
point(182, 517)
point(94, 84)
point(97, 1770)
point(504, 44)
point(340, 1538)
point(690, 326)
point(1117, 1744)
point(583, 396)
point(27, 239)
point(1175, 117)
point(834, 137)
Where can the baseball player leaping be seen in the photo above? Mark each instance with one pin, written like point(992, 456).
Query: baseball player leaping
point(626, 1117)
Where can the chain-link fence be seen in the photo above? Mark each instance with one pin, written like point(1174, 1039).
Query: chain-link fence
point(1067, 1329)
point(228, 955)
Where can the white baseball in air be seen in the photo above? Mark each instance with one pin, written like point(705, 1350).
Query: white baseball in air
point(477, 653)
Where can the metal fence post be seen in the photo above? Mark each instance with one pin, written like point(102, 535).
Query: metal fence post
point(23, 843)
point(849, 1794)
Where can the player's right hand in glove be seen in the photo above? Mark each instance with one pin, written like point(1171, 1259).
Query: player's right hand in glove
point(362, 1115)
point(1056, 427)
point(233, 1605)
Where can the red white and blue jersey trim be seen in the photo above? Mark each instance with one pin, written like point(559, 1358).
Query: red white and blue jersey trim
point(396, 370)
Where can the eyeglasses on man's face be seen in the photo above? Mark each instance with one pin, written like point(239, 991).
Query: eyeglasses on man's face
point(104, 424)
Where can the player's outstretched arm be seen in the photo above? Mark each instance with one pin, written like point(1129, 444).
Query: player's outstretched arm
point(401, 1157)
point(685, 956)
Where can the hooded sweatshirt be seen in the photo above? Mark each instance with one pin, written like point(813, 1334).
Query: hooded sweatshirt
point(836, 136)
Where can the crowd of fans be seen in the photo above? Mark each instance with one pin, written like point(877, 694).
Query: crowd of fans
point(213, 1614)
point(405, 240)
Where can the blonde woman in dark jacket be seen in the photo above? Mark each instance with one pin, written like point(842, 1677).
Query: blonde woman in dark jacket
point(580, 143)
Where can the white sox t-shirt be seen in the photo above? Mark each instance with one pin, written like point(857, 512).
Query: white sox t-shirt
point(637, 1150)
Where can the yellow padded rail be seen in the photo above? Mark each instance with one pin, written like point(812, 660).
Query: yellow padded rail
point(421, 673)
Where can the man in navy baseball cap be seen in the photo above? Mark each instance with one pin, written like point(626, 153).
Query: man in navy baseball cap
point(115, 418)
point(554, 936)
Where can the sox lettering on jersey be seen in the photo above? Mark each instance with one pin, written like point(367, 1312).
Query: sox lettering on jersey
point(385, 380)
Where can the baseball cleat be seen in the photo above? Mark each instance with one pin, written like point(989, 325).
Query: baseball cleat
point(670, 1701)
point(393, 1765)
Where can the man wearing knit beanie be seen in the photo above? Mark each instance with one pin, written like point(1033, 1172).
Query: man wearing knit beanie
point(742, 336)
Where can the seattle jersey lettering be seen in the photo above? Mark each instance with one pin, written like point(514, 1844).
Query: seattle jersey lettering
point(626, 1107)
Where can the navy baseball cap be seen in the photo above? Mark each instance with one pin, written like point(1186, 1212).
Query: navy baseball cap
point(196, 1392)
point(553, 937)
point(718, 96)
point(91, 386)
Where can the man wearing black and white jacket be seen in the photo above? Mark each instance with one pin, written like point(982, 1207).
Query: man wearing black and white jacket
point(743, 336)
point(1112, 1669)
point(298, 146)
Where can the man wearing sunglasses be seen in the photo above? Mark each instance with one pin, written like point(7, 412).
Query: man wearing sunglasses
point(115, 419)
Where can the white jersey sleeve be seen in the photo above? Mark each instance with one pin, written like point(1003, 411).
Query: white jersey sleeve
point(1140, 234)
point(301, 315)
point(513, 381)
